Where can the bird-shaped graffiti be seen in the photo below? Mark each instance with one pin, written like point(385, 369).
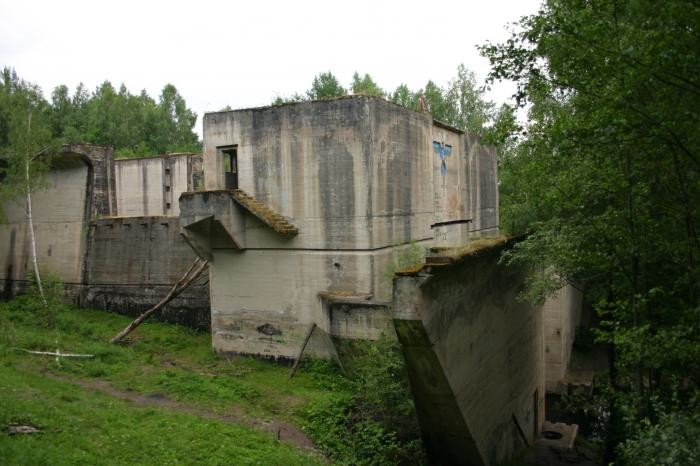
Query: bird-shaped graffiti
point(444, 151)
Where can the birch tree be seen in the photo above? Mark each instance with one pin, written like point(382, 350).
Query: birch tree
point(25, 146)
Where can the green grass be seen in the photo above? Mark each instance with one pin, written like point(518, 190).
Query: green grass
point(81, 426)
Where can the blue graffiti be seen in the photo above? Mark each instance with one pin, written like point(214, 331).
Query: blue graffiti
point(444, 151)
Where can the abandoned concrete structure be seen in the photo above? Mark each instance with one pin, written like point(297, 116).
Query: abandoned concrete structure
point(109, 229)
point(305, 212)
point(326, 196)
point(474, 354)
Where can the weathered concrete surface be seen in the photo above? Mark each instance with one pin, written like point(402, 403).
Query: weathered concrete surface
point(121, 264)
point(152, 186)
point(282, 288)
point(100, 183)
point(134, 262)
point(562, 315)
point(360, 179)
point(59, 214)
point(354, 173)
point(475, 358)
point(191, 308)
point(358, 317)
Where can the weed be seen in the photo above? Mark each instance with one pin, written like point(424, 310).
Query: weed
point(375, 423)
point(405, 258)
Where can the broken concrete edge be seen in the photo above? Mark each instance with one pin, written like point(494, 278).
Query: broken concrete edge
point(78, 148)
point(208, 191)
point(441, 257)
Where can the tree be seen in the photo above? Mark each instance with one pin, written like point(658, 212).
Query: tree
point(469, 109)
point(133, 124)
point(178, 121)
point(325, 86)
point(461, 104)
point(607, 185)
point(405, 97)
point(25, 146)
point(365, 85)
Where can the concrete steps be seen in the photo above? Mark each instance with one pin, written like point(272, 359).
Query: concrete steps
point(263, 213)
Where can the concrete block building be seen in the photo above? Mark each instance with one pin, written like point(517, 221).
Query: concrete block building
point(307, 206)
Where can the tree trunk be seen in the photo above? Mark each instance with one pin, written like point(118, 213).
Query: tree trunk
point(191, 275)
point(30, 219)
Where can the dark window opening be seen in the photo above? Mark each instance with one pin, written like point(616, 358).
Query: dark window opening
point(167, 189)
point(167, 205)
point(230, 155)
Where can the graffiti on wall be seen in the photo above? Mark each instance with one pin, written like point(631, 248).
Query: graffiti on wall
point(443, 151)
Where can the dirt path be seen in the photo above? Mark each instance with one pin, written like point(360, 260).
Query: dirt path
point(283, 431)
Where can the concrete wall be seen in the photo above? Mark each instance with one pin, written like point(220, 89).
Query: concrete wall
point(123, 264)
point(359, 319)
point(59, 213)
point(353, 173)
point(134, 262)
point(281, 289)
point(152, 186)
point(562, 315)
point(475, 357)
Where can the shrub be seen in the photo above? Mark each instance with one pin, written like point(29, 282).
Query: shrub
point(675, 440)
point(53, 292)
point(376, 424)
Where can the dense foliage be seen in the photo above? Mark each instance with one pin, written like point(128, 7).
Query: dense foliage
point(606, 181)
point(24, 133)
point(461, 103)
point(132, 124)
point(372, 421)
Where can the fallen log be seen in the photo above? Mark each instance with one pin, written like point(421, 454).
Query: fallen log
point(57, 354)
point(191, 275)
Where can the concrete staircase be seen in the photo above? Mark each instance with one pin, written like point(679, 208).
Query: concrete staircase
point(264, 213)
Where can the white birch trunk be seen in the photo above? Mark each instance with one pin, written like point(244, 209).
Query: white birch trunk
point(30, 220)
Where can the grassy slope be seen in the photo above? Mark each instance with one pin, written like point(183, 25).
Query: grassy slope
point(82, 426)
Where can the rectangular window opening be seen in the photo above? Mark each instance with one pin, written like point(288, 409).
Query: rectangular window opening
point(230, 155)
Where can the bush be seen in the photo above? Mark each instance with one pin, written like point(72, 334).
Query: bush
point(675, 440)
point(376, 424)
point(52, 286)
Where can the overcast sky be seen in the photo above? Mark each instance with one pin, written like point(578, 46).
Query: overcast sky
point(243, 54)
